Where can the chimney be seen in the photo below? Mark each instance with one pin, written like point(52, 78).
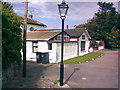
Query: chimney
point(30, 15)
point(66, 26)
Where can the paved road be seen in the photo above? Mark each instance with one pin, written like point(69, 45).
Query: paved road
point(101, 73)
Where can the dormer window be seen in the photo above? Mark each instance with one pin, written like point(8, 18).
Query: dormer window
point(59, 37)
point(66, 37)
point(83, 36)
point(31, 29)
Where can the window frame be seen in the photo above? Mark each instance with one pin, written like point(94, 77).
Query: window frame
point(66, 37)
point(49, 46)
point(34, 46)
point(83, 36)
point(83, 47)
point(32, 28)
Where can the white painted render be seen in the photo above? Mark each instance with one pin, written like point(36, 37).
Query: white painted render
point(29, 52)
point(101, 47)
point(52, 53)
point(42, 46)
point(73, 39)
point(70, 51)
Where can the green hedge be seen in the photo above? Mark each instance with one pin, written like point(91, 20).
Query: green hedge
point(11, 36)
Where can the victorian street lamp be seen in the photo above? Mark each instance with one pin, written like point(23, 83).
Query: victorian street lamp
point(63, 8)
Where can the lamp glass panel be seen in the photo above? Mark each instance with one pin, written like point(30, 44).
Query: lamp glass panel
point(63, 11)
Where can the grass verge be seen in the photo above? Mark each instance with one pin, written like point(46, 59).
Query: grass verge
point(106, 50)
point(84, 58)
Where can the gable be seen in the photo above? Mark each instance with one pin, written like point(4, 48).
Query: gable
point(85, 36)
point(59, 36)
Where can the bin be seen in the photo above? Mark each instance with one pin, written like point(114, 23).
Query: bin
point(42, 57)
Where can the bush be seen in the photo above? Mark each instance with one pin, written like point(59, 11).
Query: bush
point(11, 36)
point(100, 43)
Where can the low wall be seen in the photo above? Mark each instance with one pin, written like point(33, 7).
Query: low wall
point(100, 47)
point(10, 73)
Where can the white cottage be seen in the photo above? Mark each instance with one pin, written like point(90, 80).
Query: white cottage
point(76, 43)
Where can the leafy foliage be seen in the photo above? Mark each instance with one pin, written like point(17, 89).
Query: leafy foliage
point(114, 37)
point(101, 25)
point(11, 36)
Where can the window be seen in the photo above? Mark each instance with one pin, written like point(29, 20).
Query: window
point(35, 46)
point(82, 45)
point(50, 46)
point(66, 37)
point(59, 37)
point(83, 36)
point(31, 29)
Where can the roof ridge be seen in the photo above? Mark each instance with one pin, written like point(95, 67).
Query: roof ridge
point(35, 20)
point(61, 29)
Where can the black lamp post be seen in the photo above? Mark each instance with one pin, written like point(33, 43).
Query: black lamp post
point(63, 8)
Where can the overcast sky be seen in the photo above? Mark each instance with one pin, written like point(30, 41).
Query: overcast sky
point(47, 12)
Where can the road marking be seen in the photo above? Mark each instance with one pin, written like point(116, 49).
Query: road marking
point(84, 78)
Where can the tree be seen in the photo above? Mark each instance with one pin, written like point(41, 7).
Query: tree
point(114, 38)
point(81, 26)
point(100, 26)
point(11, 36)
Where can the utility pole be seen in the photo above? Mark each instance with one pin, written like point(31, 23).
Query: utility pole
point(24, 37)
point(119, 7)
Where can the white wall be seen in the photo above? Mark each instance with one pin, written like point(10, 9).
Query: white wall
point(73, 39)
point(36, 27)
point(42, 47)
point(52, 53)
point(100, 47)
point(30, 55)
point(70, 51)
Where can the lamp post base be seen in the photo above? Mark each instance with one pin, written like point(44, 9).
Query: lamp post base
point(61, 74)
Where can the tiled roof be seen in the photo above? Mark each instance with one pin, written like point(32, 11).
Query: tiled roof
point(45, 36)
point(76, 29)
point(34, 22)
point(60, 29)
point(49, 30)
point(76, 32)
